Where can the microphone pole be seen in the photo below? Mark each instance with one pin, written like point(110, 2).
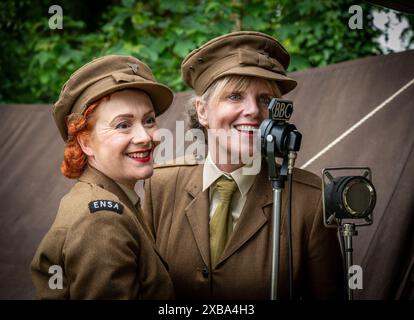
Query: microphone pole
point(278, 182)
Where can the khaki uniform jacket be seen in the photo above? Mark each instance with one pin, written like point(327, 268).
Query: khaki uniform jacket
point(178, 214)
point(102, 245)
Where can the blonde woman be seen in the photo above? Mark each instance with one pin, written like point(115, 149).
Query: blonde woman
point(211, 221)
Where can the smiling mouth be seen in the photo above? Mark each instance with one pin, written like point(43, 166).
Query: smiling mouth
point(247, 128)
point(141, 156)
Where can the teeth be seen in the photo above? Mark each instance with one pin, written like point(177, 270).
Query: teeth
point(138, 154)
point(246, 128)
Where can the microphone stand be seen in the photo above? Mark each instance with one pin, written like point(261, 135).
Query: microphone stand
point(348, 230)
point(278, 183)
point(279, 138)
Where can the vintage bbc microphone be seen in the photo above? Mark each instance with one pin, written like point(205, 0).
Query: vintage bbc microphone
point(345, 199)
point(280, 139)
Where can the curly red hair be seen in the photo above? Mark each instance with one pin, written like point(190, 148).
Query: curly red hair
point(74, 159)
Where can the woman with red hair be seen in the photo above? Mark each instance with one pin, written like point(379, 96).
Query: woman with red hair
point(99, 246)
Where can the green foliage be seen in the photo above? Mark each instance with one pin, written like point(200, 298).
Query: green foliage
point(35, 61)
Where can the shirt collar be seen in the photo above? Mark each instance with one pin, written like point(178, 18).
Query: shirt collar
point(131, 194)
point(211, 173)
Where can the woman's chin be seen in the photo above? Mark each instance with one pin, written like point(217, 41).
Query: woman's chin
point(143, 172)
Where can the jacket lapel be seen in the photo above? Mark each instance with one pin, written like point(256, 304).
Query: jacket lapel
point(197, 212)
point(256, 212)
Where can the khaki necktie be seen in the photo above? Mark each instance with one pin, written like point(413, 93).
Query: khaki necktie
point(221, 224)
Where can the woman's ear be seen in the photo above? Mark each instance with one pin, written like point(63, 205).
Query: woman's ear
point(84, 142)
point(202, 112)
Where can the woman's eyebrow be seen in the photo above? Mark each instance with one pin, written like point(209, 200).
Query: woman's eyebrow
point(265, 93)
point(226, 92)
point(124, 115)
point(148, 112)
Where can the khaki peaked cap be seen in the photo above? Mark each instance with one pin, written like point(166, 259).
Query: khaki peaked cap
point(104, 76)
point(246, 53)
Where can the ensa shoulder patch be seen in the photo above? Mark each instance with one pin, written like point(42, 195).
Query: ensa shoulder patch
point(107, 205)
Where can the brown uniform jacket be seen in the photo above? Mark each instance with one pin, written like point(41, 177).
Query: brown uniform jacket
point(105, 252)
point(178, 213)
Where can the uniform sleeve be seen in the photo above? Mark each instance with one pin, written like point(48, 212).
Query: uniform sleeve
point(324, 261)
point(148, 210)
point(48, 255)
point(100, 255)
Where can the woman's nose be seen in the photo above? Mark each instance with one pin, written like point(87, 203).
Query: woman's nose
point(251, 107)
point(141, 136)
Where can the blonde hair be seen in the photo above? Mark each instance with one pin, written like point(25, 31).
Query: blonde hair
point(231, 83)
